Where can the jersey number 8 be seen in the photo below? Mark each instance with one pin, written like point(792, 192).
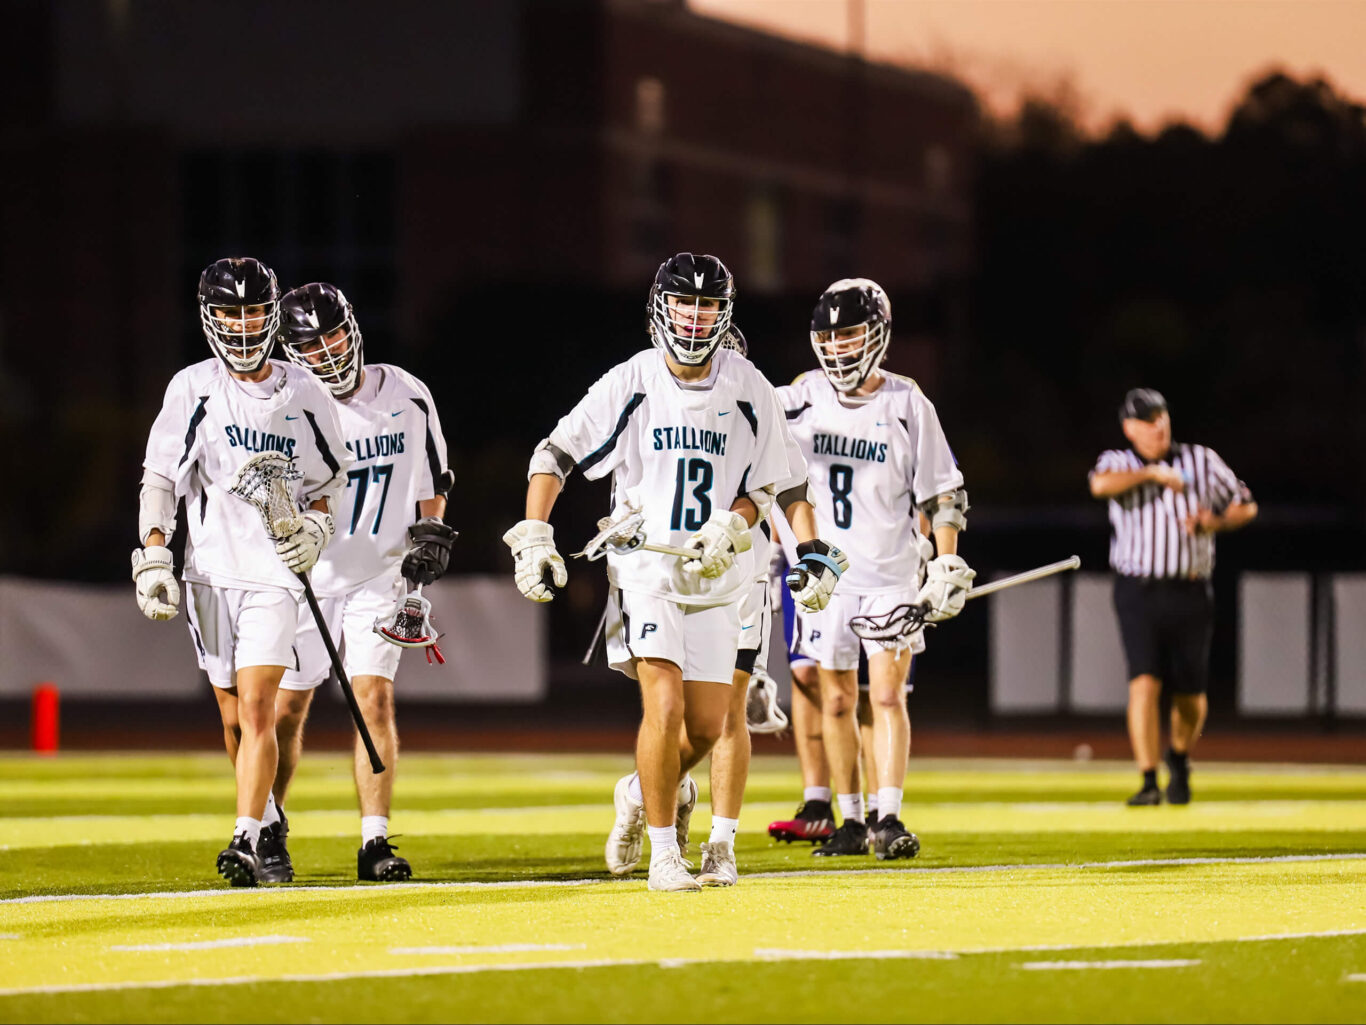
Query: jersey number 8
point(841, 486)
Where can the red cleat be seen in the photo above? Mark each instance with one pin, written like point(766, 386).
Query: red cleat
point(815, 823)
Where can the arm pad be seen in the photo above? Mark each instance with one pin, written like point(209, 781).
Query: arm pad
point(763, 501)
point(156, 506)
point(801, 493)
point(549, 458)
point(947, 510)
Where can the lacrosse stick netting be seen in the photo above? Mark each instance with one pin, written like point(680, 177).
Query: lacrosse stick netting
point(410, 626)
point(265, 481)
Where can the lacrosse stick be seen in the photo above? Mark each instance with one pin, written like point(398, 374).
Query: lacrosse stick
point(905, 620)
point(597, 637)
point(623, 533)
point(263, 480)
point(410, 625)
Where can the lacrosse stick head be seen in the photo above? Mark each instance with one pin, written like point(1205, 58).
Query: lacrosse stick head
point(763, 714)
point(409, 625)
point(265, 481)
point(891, 627)
point(622, 532)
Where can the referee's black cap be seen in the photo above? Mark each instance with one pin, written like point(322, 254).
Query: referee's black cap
point(1142, 404)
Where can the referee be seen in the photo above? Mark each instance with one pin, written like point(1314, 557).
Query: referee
point(1167, 501)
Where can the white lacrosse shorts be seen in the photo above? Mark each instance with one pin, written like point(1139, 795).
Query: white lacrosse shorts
point(351, 622)
point(756, 619)
point(702, 642)
point(829, 639)
point(233, 629)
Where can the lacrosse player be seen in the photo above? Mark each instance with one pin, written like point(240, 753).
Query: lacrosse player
point(389, 528)
point(729, 769)
point(242, 589)
point(694, 438)
point(877, 457)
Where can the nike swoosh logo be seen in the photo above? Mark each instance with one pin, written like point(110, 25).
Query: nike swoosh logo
point(399, 413)
point(882, 423)
point(726, 413)
point(291, 418)
point(750, 627)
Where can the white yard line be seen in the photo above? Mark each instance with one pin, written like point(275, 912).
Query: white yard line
point(517, 884)
point(235, 941)
point(1067, 966)
point(502, 948)
point(770, 955)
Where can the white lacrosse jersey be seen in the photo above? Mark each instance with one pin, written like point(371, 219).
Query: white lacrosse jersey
point(871, 465)
point(398, 454)
point(678, 453)
point(209, 425)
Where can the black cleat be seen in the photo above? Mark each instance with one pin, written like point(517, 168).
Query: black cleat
point(1147, 797)
point(814, 821)
point(1179, 786)
point(892, 840)
point(376, 862)
point(850, 838)
point(238, 863)
point(276, 866)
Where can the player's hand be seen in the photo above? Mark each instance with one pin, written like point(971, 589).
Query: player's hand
point(533, 549)
point(947, 580)
point(1168, 477)
point(718, 542)
point(302, 549)
point(154, 576)
point(819, 567)
point(427, 560)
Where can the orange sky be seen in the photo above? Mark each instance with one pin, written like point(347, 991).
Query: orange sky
point(1153, 60)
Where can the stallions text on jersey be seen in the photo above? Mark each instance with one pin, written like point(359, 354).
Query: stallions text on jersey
point(209, 425)
point(678, 453)
point(872, 461)
point(398, 454)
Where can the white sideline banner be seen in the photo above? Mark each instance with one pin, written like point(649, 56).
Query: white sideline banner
point(91, 641)
point(1100, 676)
point(1349, 650)
point(1024, 657)
point(1275, 660)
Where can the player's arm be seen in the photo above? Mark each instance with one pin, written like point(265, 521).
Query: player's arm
point(171, 443)
point(324, 477)
point(937, 485)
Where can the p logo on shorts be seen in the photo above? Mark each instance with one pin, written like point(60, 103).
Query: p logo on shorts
point(815, 635)
point(647, 628)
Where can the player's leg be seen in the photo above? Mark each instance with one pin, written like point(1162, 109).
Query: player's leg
point(227, 711)
point(291, 714)
point(887, 671)
point(839, 728)
point(815, 818)
point(371, 664)
point(659, 768)
point(729, 773)
point(867, 762)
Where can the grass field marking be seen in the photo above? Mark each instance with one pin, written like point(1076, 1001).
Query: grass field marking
point(503, 948)
point(234, 941)
point(264, 892)
point(1356, 977)
point(778, 954)
point(1063, 966)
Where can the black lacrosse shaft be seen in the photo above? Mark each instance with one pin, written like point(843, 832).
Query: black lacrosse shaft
point(376, 766)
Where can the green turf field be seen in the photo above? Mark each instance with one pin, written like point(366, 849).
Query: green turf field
point(1036, 897)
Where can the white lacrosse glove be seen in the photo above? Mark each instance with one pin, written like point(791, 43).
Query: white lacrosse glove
point(721, 538)
point(301, 550)
point(947, 580)
point(154, 576)
point(819, 567)
point(533, 548)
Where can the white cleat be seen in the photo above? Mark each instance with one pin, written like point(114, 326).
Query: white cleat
point(626, 841)
point(668, 872)
point(718, 865)
point(687, 801)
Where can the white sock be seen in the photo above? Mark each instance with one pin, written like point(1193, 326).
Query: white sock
point(871, 804)
point(248, 827)
point(889, 800)
point(662, 840)
point(633, 789)
point(851, 807)
point(272, 815)
point(373, 827)
point(817, 794)
point(723, 830)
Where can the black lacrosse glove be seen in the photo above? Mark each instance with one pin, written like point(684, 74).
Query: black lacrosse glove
point(427, 560)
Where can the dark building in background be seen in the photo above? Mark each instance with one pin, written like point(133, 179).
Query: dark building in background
point(483, 179)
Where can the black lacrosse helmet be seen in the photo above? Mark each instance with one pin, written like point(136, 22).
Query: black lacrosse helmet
point(311, 317)
point(700, 287)
point(239, 309)
point(851, 303)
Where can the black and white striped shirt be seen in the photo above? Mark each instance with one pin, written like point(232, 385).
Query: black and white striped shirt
point(1149, 536)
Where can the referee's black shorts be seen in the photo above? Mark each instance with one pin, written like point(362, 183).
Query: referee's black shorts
point(1167, 626)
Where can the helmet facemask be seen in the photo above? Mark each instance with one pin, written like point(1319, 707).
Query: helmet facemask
point(849, 355)
point(241, 335)
point(688, 327)
point(334, 356)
